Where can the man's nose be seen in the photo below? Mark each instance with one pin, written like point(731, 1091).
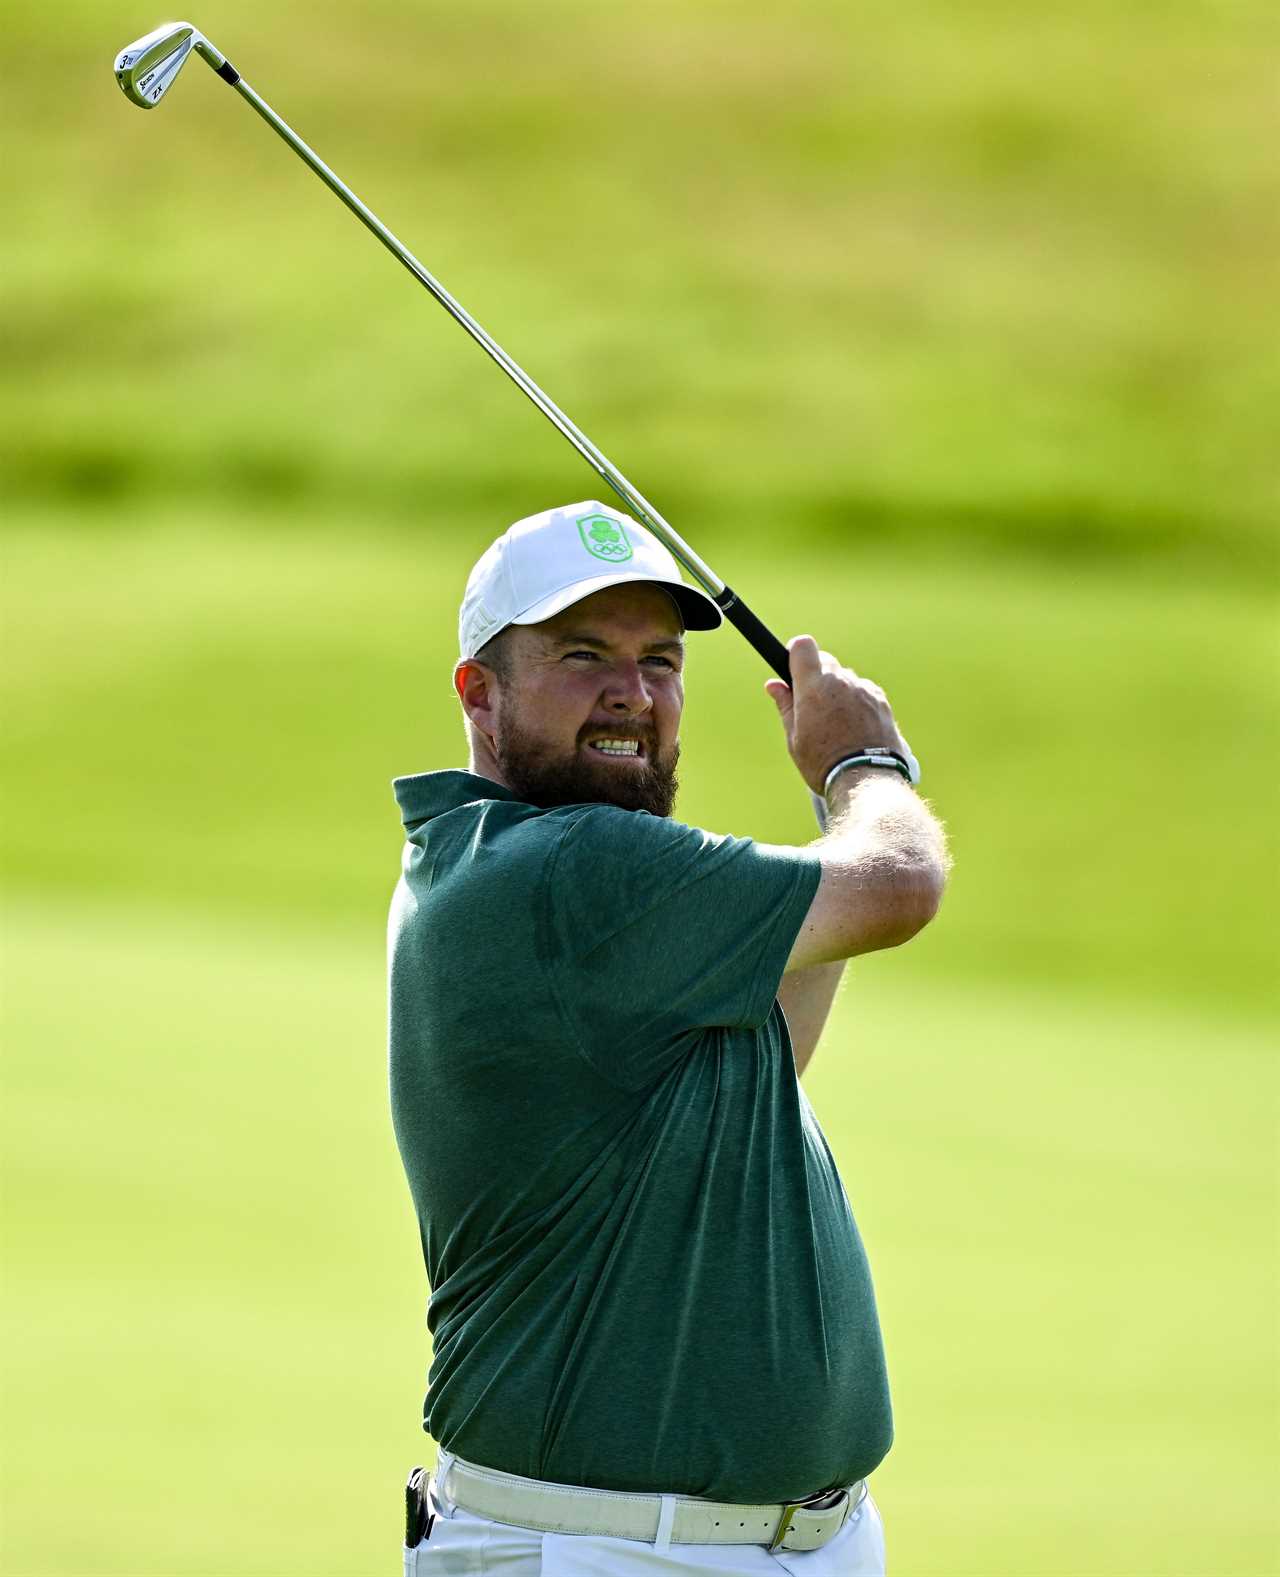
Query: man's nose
point(627, 692)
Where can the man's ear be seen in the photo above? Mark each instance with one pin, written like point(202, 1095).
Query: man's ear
point(475, 685)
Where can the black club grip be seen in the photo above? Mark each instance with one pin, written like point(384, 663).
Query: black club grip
point(759, 635)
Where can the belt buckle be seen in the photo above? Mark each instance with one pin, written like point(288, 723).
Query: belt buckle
point(784, 1522)
point(809, 1503)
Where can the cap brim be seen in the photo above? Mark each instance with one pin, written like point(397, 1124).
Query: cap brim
point(696, 608)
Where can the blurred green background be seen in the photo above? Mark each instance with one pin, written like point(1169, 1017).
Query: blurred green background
point(946, 332)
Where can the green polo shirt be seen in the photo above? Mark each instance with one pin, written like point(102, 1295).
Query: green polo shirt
point(644, 1271)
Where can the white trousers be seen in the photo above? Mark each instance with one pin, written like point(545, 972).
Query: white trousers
point(461, 1544)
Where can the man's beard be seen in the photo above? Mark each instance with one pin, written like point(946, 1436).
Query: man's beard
point(541, 780)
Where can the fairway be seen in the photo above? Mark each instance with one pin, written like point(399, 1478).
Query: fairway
point(240, 688)
point(1051, 1114)
point(221, 1296)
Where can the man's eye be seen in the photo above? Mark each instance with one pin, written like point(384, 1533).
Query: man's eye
point(665, 661)
point(591, 655)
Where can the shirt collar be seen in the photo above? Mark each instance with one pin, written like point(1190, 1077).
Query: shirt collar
point(428, 794)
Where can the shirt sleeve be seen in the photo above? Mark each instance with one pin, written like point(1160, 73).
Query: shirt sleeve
point(657, 931)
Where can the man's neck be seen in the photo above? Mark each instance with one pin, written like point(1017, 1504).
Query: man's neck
point(484, 764)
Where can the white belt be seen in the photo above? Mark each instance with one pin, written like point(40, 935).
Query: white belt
point(662, 1519)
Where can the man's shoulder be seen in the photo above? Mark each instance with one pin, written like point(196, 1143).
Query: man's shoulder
point(472, 826)
point(592, 835)
point(635, 835)
point(591, 854)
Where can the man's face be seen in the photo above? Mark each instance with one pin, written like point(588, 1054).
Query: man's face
point(590, 708)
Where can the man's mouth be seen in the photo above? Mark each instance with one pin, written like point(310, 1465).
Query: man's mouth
point(610, 745)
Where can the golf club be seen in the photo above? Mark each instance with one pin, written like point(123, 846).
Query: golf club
point(147, 69)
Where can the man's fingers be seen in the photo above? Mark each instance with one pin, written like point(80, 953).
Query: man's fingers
point(781, 696)
point(806, 659)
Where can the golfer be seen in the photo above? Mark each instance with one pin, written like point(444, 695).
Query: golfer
point(655, 1340)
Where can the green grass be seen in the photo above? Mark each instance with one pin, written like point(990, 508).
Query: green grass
point(208, 717)
point(1004, 274)
point(1051, 1110)
point(1065, 1202)
point(945, 334)
point(215, 1323)
point(217, 1309)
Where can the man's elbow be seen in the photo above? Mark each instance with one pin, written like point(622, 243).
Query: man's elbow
point(913, 899)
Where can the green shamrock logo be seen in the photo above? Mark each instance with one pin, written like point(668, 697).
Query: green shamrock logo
point(604, 538)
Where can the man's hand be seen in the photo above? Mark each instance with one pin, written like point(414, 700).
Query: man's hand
point(884, 855)
point(829, 713)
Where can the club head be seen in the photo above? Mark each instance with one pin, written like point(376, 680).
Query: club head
point(146, 69)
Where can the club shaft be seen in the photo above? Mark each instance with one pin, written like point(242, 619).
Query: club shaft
point(608, 472)
point(733, 608)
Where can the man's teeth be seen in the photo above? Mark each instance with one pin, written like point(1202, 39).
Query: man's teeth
point(617, 747)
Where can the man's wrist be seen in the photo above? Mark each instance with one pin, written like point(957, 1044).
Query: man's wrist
point(826, 808)
point(819, 810)
point(851, 770)
point(842, 782)
point(845, 783)
point(878, 757)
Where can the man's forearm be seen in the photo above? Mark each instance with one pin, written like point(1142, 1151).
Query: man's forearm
point(883, 855)
point(875, 818)
point(884, 868)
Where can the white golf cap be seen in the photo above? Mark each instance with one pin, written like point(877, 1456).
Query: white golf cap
point(544, 564)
